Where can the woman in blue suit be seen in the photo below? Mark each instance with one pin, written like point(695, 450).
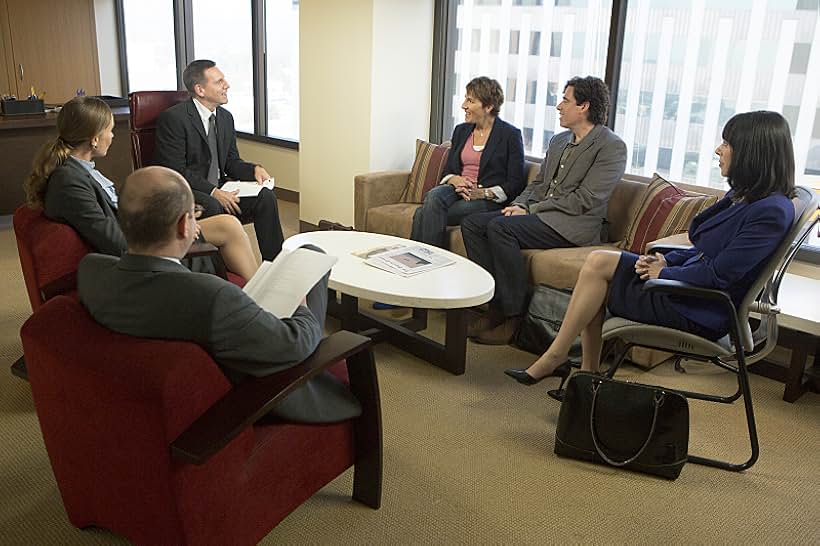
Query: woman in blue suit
point(484, 171)
point(732, 241)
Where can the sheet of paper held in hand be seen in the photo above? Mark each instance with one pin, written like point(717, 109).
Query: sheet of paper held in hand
point(247, 189)
point(279, 286)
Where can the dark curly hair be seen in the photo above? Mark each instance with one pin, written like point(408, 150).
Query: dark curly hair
point(594, 91)
point(488, 91)
point(762, 156)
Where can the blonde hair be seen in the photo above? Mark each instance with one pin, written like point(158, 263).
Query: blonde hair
point(79, 121)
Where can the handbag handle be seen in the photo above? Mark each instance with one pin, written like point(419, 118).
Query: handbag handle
point(658, 399)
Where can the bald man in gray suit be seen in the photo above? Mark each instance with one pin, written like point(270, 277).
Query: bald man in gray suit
point(564, 206)
point(148, 293)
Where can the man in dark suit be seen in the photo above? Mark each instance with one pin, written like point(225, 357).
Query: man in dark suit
point(197, 139)
point(564, 206)
point(148, 293)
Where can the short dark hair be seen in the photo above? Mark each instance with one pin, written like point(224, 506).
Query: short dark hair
point(594, 91)
point(194, 73)
point(488, 91)
point(762, 155)
point(148, 216)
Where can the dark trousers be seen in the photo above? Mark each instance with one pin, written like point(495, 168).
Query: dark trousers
point(262, 210)
point(495, 241)
point(443, 207)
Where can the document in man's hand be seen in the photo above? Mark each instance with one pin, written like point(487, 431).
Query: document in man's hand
point(279, 286)
point(248, 189)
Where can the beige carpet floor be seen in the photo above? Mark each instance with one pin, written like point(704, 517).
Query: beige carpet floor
point(468, 460)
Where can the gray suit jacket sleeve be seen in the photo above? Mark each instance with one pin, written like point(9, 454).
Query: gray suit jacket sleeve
point(597, 185)
point(246, 338)
point(71, 198)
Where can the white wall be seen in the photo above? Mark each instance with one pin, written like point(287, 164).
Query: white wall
point(365, 68)
point(401, 80)
point(107, 48)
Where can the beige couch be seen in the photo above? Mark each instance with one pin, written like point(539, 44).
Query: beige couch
point(378, 210)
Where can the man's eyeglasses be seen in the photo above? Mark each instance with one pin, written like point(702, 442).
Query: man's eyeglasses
point(198, 210)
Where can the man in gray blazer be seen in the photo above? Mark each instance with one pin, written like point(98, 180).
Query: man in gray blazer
point(564, 206)
point(148, 293)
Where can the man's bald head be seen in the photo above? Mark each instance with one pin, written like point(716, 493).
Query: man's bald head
point(151, 202)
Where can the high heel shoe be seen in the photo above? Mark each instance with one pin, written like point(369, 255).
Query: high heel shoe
point(524, 378)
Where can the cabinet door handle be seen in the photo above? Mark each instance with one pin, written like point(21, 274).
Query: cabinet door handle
point(21, 71)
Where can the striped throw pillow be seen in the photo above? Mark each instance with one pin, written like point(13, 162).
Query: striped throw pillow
point(426, 171)
point(665, 210)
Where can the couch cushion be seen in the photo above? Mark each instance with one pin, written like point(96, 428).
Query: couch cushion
point(559, 267)
point(426, 171)
point(396, 219)
point(664, 210)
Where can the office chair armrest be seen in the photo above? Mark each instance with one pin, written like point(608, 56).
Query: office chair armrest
point(253, 398)
point(664, 248)
point(680, 288)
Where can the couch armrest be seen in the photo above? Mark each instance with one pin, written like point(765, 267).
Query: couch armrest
point(253, 398)
point(376, 189)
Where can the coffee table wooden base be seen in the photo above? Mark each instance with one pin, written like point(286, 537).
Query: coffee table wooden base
point(451, 356)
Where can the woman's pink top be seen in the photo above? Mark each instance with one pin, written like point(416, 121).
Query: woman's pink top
point(470, 160)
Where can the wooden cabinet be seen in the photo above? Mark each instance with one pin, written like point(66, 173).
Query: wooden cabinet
point(51, 45)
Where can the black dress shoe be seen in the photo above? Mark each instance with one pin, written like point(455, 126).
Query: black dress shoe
point(524, 378)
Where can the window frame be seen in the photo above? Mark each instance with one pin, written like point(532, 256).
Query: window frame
point(184, 40)
point(444, 46)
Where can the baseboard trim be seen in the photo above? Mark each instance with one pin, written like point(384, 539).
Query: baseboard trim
point(287, 195)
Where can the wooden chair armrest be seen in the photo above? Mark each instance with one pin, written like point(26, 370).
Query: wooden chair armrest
point(199, 248)
point(205, 249)
point(374, 190)
point(66, 283)
point(250, 400)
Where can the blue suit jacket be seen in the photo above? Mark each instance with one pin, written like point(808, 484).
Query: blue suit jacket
point(502, 161)
point(732, 243)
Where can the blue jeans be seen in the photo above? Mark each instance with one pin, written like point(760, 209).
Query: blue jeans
point(443, 207)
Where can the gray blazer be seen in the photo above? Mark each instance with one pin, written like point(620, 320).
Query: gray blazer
point(146, 296)
point(73, 197)
point(577, 209)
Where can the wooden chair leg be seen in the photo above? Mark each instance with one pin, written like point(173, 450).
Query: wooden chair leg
point(367, 430)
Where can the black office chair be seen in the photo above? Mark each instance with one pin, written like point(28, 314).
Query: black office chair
point(743, 345)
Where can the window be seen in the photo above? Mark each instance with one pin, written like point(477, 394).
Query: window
point(149, 42)
point(282, 18)
point(541, 46)
point(688, 66)
point(232, 53)
point(259, 56)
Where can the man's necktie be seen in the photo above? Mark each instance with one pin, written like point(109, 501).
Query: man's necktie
point(213, 171)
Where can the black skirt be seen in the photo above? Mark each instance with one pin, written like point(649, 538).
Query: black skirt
point(628, 299)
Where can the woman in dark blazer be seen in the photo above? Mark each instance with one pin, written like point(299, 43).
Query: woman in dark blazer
point(732, 241)
point(484, 171)
point(66, 184)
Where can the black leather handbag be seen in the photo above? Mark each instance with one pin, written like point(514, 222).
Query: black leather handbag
point(623, 424)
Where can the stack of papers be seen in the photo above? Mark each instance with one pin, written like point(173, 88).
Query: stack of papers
point(404, 260)
point(247, 189)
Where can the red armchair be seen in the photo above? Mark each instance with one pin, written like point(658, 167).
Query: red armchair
point(148, 439)
point(146, 106)
point(50, 253)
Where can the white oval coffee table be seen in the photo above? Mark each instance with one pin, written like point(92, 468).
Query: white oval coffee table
point(453, 288)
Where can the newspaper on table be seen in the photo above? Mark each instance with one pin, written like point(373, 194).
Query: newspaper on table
point(404, 260)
